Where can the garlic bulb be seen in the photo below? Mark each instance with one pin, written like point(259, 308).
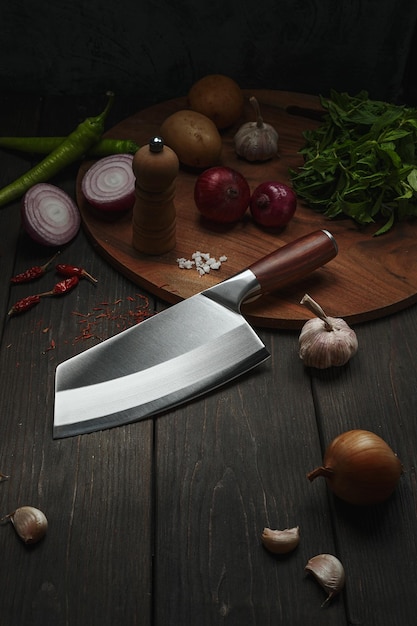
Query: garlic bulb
point(256, 141)
point(325, 341)
point(281, 541)
point(329, 573)
point(30, 523)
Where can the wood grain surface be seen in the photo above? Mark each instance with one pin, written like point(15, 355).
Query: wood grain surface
point(371, 276)
point(158, 523)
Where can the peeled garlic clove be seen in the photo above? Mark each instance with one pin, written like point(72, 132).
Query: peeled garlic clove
point(329, 573)
point(281, 541)
point(325, 341)
point(30, 523)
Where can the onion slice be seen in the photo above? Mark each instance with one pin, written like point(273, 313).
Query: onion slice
point(109, 184)
point(49, 215)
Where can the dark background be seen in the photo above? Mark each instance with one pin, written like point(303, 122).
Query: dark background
point(157, 48)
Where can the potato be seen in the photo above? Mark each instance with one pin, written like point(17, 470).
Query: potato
point(219, 97)
point(193, 137)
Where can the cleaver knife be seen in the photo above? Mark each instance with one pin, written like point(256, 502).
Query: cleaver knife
point(180, 353)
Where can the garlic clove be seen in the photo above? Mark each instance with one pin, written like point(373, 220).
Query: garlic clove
point(325, 341)
point(329, 573)
point(281, 541)
point(29, 522)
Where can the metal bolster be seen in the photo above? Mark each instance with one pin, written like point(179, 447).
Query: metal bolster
point(232, 291)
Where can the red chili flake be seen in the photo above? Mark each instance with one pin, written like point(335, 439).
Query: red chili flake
point(95, 323)
point(50, 347)
point(33, 272)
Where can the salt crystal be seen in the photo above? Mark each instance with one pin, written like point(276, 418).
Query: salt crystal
point(202, 261)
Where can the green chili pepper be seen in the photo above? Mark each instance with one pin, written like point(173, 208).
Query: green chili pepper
point(71, 149)
point(45, 145)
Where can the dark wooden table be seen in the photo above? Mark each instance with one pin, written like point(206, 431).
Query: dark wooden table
point(159, 522)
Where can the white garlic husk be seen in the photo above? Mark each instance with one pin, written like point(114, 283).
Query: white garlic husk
point(29, 522)
point(325, 341)
point(256, 141)
point(329, 573)
point(281, 541)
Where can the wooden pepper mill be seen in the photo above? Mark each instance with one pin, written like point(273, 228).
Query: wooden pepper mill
point(154, 216)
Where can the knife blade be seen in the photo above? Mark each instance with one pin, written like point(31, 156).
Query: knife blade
point(181, 353)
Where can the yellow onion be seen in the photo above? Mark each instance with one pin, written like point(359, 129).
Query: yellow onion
point(360, 468)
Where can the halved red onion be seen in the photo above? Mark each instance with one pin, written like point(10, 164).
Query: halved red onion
point(49, 215)
point(109, 184)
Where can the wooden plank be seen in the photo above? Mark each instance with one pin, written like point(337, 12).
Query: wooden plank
point(376, 391)
point(385, 264)
point(226, 467)
point(95, 563)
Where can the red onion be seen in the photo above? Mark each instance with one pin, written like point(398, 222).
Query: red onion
point(273, 204)
point(109, 184)
point(49, 215)
point(222, 194)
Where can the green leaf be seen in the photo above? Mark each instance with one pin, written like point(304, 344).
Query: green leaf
point(412, 179)
point(387, 226)
point(361, 161)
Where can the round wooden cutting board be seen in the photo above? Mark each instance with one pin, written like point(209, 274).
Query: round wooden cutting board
point(371, 276)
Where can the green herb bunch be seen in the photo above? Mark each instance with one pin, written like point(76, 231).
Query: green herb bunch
point(361, 162)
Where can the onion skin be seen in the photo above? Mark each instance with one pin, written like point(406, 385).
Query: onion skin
point(360, 468)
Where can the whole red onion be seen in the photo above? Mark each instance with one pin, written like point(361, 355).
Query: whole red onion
point(222, 194)
point(273, 204)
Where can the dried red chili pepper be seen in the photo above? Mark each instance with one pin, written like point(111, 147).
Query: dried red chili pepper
point(24, 304)
point(64, 286)
point(72, 270)
point(33, 272)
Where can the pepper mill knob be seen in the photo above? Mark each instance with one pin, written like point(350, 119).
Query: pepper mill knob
point(155, 167)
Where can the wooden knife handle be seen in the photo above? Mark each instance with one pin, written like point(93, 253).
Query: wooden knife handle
point(295, 260)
